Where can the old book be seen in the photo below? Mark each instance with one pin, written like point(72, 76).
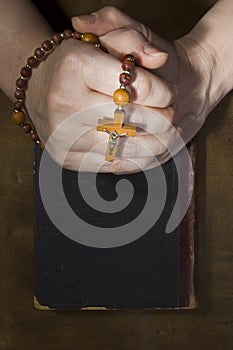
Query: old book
point(154, 271)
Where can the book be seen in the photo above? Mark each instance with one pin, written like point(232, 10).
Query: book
point(149, 270)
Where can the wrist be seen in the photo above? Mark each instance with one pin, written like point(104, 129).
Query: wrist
point(22, 29)
point(206, 75)
point(219, 47)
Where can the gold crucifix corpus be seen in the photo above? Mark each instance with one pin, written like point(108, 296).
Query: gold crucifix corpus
point(115, 130)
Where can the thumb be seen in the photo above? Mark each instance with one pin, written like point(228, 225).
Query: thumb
point(107, 19)
point(110, 18)
point(113, 25)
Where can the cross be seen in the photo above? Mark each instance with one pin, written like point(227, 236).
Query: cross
point(115, 130)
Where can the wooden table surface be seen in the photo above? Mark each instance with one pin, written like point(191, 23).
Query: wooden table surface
point(211, 324)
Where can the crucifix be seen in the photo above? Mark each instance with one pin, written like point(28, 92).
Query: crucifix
point(121, 97)
point(115, 130)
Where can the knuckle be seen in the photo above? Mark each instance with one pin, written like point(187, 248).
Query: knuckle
point(111, 12)
point(69, 164)
point(61, 157)
point(165, 95)
point(154, 90)
point(56, 156)
point(57, 97)
point(145, 30)
point(145, 89)
point(161, 146)
point(72, 59)
point(116, 166)
point(130, 34)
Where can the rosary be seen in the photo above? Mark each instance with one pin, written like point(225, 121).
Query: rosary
point(121, 96)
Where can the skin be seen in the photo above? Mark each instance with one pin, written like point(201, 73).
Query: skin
point(192, 75)
point(199, 65)
point(74, 77)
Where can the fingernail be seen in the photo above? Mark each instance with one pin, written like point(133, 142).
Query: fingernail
point(152, 51)
point(86, 19)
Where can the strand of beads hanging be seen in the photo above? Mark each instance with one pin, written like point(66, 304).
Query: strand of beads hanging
point(121, 96)
point(19, 114)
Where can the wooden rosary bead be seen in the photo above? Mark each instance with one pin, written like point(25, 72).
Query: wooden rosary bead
point(67, 34)
point(77, 35)
point(26, 72)
point(90, 38)
point(32, 62)
point(39, 53)
point(121, 97)
point(128, 65)
point(34, 136)
point(18, 117)
point(19, 105)
point(57, 38)
point(125, 79)
point(27, 128)
point(20, 83)
point(20, 94)
point(47, 45)
point(129, 57)
point(118, 128)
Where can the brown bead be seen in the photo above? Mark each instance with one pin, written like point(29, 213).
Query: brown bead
point(47, 45)
point(34, 136)
point(67, 34)
point(129, 58)
point(32, 62)
point(27, 128)
point(26, 72)
point(57, 39)
point(121, 97)
point(125, 79)
point(128, 65)
point(39, 53)
point(90, 38)
point(18, 117)
point(18, 105)
point(77, 35)
point(20, 83)
point(20, 94)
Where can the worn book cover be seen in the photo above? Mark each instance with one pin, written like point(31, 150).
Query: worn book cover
point(139, 265)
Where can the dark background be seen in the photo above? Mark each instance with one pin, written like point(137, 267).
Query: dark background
point(211, 325)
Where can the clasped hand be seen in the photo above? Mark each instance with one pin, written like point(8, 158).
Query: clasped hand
point(173, 80)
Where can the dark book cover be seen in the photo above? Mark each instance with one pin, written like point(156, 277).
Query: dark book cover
point(142, 270)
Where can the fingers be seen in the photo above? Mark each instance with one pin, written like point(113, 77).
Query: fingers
point(151, 153)
point(128, 166)
point(93, 162)
point(134, 154)
point(149, 146)
point(110, 18)
point(86, 69)
point(101, 73)
point(122, 41)
point(104, 21)
point(133, 42)
point(149, 121)
point(82, 161)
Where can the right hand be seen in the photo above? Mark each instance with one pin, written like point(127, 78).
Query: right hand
point(195, 66)
point(77, 76)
